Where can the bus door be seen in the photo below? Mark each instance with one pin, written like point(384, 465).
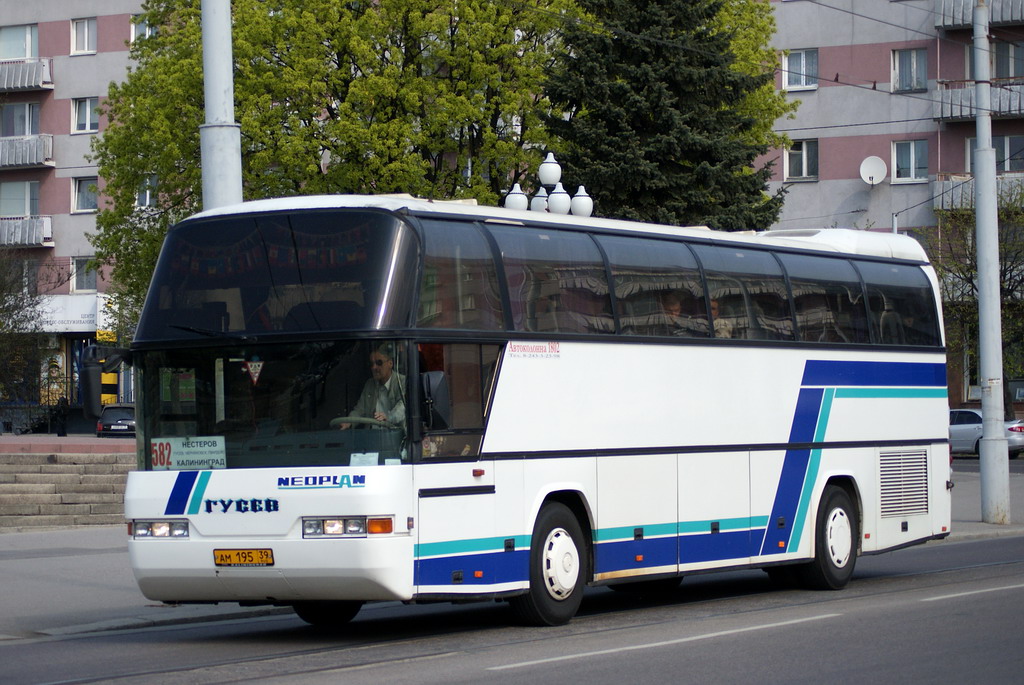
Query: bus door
point(636, 520)
point(714, 509)
point(459, 549)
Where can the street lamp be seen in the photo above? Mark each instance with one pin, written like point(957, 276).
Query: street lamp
point(557, 201)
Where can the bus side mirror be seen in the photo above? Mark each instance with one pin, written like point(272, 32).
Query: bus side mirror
point(97, 360)
point(437, 408)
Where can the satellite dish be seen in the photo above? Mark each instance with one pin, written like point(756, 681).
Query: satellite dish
point(872, 170)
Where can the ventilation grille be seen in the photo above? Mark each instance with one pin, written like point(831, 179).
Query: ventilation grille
point(904, 483)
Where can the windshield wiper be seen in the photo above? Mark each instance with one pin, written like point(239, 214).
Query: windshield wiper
point(211, 333)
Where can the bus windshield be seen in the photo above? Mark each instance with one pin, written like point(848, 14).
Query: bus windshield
point(285, 272)
point(301, 404)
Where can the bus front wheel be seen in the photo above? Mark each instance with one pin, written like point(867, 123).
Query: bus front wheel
point(835, 548)
point(558, 569)
point(327, 614)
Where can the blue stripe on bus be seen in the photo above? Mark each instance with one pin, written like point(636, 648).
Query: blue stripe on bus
point(180, 492)
point(493, 568)
point(715, 546)
point(622, 555)
point(883, 374)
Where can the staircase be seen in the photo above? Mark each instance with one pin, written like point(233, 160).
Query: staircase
point(63, 483)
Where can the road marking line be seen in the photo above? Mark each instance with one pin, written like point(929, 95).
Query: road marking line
point(694, 638)
point(974, 592)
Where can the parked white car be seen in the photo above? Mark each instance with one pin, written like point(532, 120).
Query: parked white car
point(965, 432)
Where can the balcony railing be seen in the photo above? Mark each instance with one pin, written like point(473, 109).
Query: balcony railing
point(26, 231)
point(26, 151)
point(956, 99)
point(957, 14)
point(25, 74)
point(956, 191)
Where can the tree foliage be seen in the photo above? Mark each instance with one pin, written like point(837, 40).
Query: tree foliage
point(656, 127)
point(751, 23)
point(438, 99)
point(20, 328)
point(955, 259)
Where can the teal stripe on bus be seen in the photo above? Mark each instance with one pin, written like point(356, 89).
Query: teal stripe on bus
point(449, 547)
point(198, 492)
point(891, 393)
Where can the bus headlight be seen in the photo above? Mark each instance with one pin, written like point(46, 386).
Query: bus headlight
point(159, 529)
point(348, 526)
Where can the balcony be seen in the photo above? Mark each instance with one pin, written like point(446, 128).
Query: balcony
point(26, 231)
point(26, 152)
point(956, 191)
point(957, 14)
point(25, 74)
point(956, 100)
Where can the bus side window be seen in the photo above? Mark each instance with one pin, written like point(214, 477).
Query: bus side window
point(658, 288)
point(456, 380)
point(556, 280)
point(900, 300)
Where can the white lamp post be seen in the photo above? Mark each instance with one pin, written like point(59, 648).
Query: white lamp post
point(539, 203)
point(516, 198)
point(558, 201)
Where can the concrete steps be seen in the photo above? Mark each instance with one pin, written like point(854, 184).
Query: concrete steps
point(60, 489)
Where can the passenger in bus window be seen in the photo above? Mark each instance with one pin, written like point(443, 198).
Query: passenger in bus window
point(383, 395)
point(891, 324)
point(723, 327)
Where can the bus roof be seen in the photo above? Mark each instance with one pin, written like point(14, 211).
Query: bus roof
point(841, 240)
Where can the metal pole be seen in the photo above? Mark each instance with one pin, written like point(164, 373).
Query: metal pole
point(220, 137)
point(995, 478)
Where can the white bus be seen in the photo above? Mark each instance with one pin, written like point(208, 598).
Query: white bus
point(348, 399)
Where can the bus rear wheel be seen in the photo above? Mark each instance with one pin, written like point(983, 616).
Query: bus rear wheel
point(327, 614)
point(835, 548)
point(558, 569)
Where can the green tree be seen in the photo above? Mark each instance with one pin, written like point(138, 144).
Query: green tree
point(438, 99)
point(655, 127)
point(20, 329)
point(752, 24)
point(955, 259)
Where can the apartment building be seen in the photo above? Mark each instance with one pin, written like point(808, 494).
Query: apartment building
point(885, 131)
point(57, 59)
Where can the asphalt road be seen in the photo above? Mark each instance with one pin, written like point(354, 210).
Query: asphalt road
point(943, 612)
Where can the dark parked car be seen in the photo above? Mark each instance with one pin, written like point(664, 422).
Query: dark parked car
point(116, 419)
point(965, 433)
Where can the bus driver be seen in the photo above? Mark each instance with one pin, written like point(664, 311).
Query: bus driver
point(383, 395)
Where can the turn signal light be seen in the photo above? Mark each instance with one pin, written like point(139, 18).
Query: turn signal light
point(379, 526)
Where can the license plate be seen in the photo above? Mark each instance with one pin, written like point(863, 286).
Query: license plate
point(119, 428)
point(243, 557)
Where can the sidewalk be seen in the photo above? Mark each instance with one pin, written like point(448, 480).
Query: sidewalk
point(79, 580)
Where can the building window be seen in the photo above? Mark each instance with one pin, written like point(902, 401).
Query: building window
point(802, 69)
point(802, 160)
point(141, 29)
point(83, 36)
point(87, 115)
point(910, 161)
point(146, 196)
point(909, 70)
point(1006, 60)
point(19, 198)
point(84, 278)
point(1009, 153)
point(19, 119)
point(85, 199)
point(19, 42)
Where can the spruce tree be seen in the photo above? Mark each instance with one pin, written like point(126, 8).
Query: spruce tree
point(655, 131)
